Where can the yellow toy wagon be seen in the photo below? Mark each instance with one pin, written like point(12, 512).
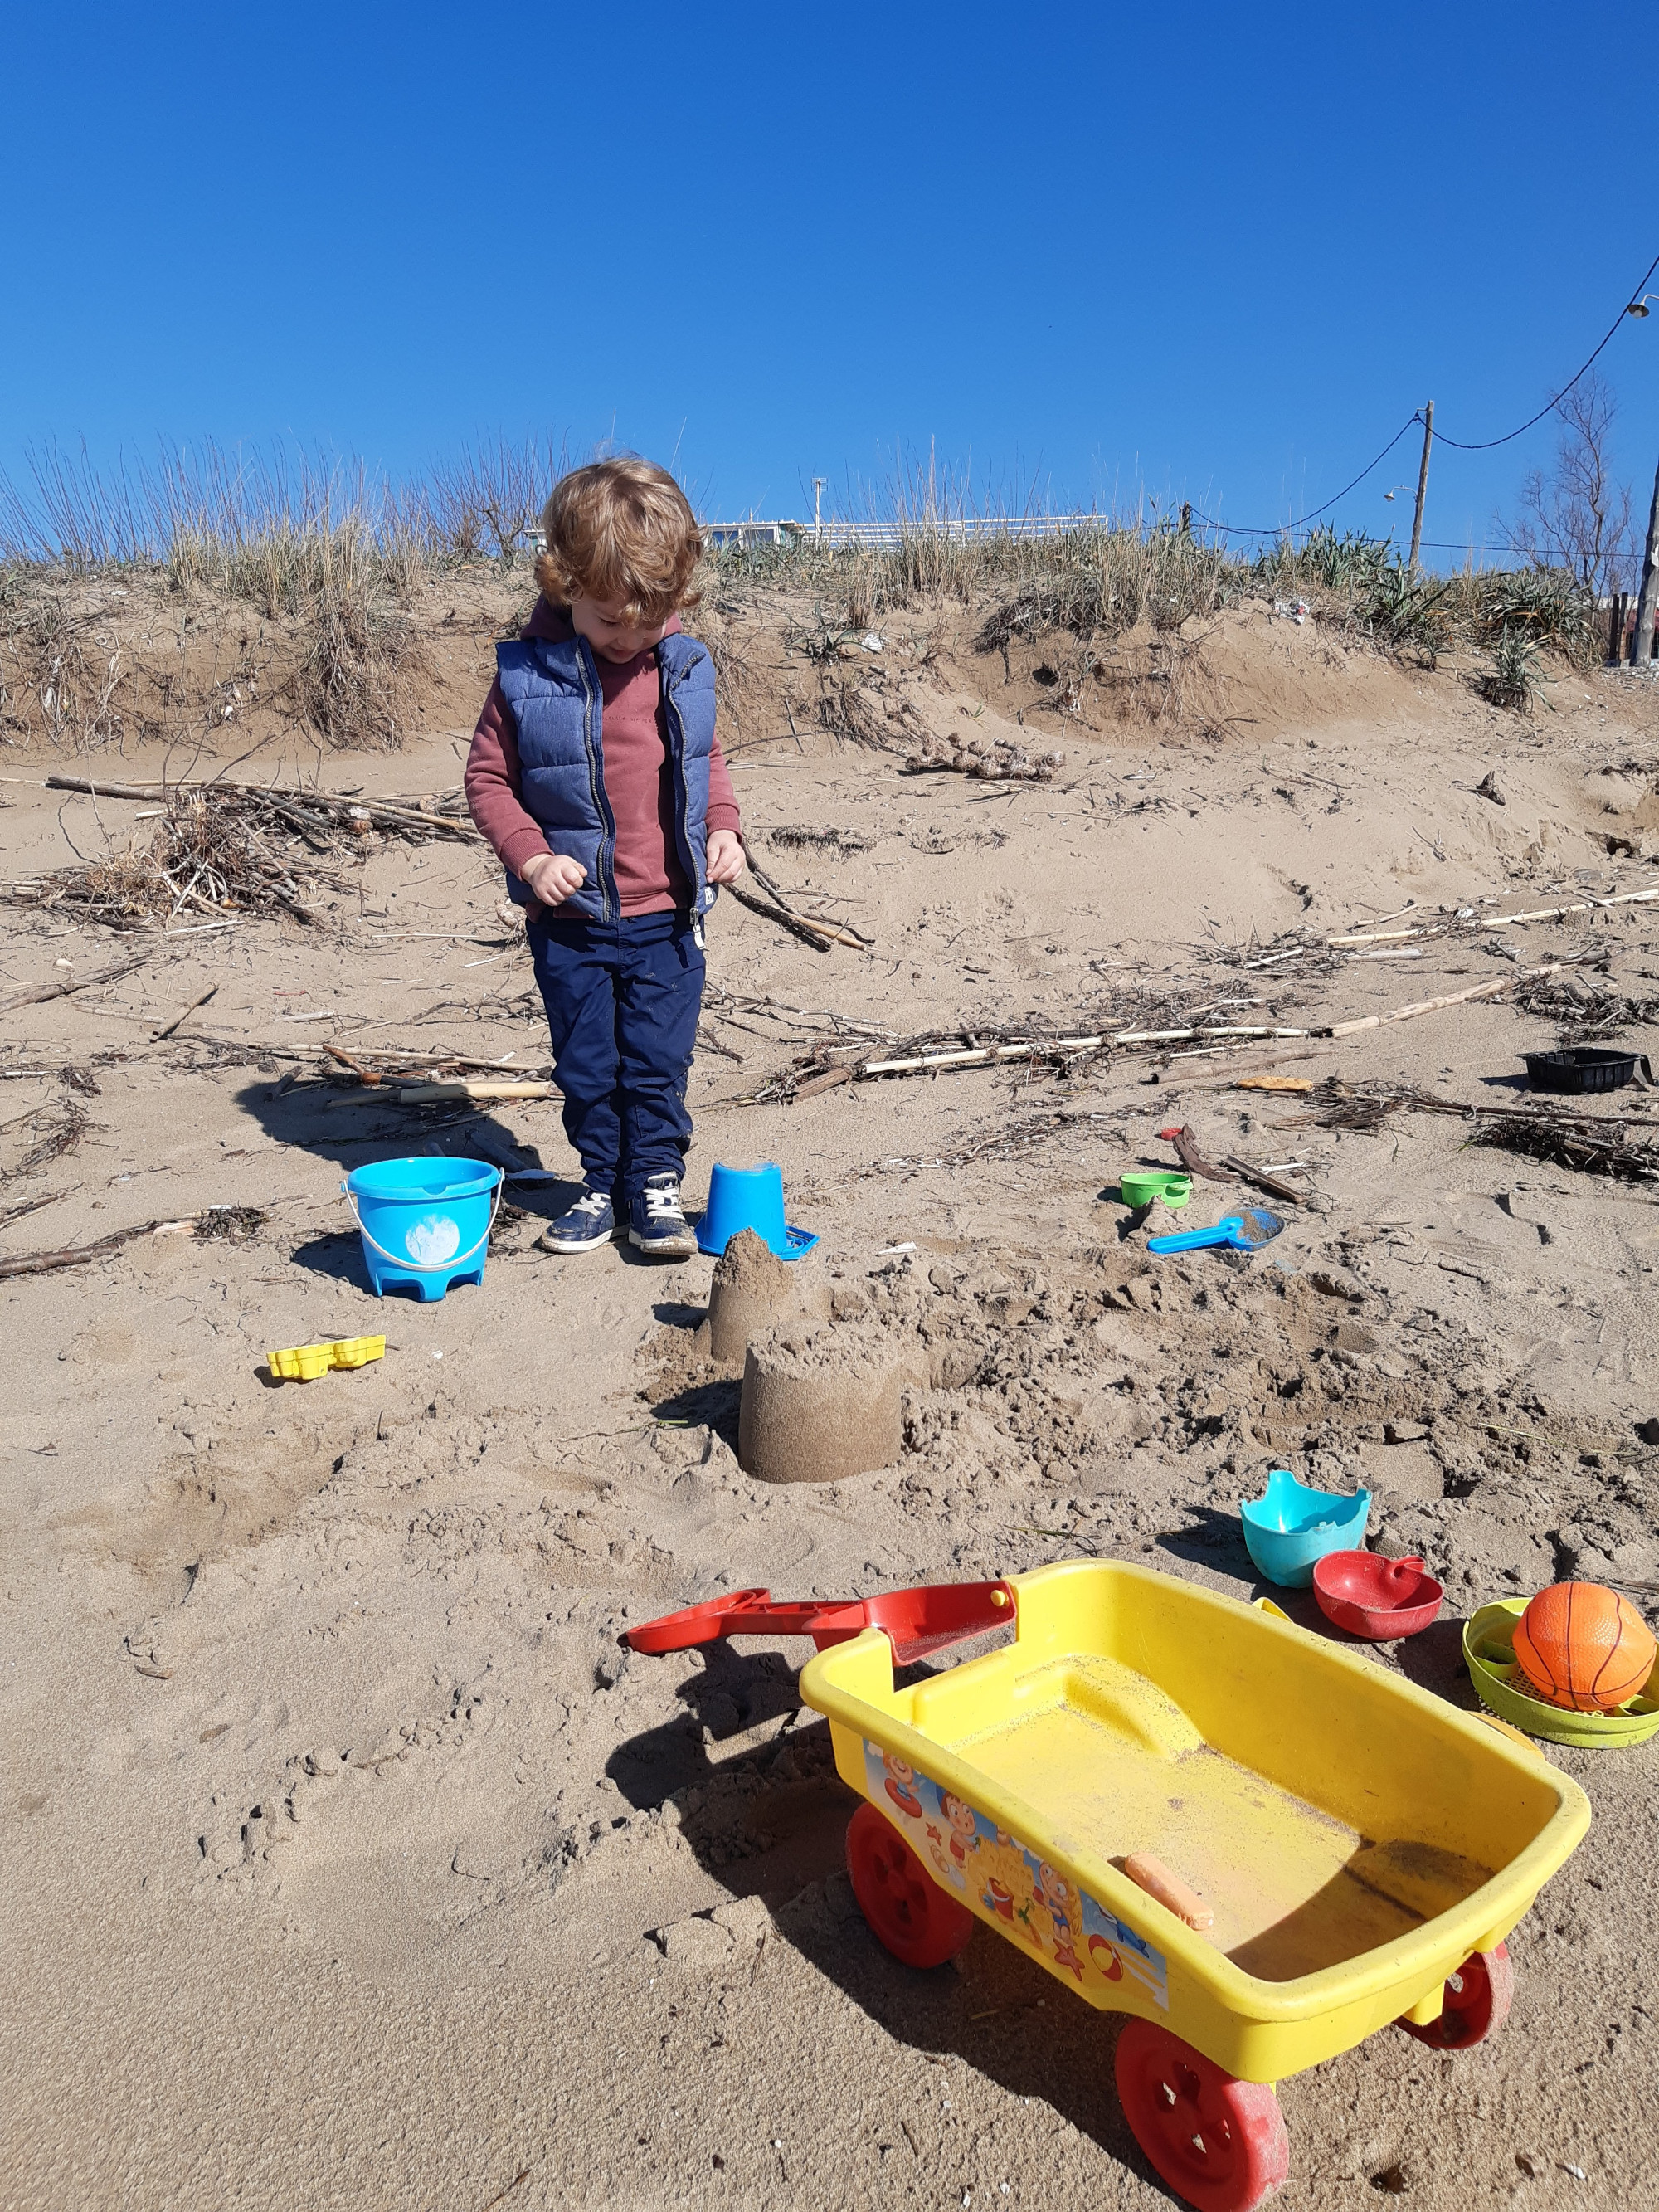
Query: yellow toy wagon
point(1259, 1846)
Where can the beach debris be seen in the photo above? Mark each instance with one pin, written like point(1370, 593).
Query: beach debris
point(183, 1014)
point(1187, 1148)
point(1584, 1008)
point(821, 934)
point(62, 986)
point(990, 760)
point(1263, 1179)
point(1579, 1144)
point(230, 1224)
point(1488, 788)
point(1486, 990)
point(224, 849)
point(80, 1256)
point(57, 1129)
point(820, 840)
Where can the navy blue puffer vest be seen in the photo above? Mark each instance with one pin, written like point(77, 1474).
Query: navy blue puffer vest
point(552, 687)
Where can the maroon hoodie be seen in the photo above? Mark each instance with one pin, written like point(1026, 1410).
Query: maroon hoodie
point(639, 779)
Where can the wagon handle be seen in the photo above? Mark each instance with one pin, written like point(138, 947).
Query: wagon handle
point(915, 1622)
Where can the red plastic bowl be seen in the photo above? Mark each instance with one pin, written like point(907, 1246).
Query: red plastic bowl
point(1376, 1598)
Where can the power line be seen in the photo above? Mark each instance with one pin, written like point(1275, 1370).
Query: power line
point(1461, 445)
point(1485, 444)
point(1277, 529)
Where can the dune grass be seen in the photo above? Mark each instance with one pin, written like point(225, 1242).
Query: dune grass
point(339, 556)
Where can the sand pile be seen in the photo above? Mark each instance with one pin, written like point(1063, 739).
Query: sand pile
point(820, 1404)
point(752, 1292)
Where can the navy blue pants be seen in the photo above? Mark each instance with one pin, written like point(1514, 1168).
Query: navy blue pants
point(622, 999)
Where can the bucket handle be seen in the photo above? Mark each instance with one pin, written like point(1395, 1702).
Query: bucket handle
point(415, 1267)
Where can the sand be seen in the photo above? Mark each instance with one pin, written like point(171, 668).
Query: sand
point(349, 1860)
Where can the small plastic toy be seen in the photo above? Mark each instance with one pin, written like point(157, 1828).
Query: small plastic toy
point(1141, 1186)
point(749, 1198)
point(1585, 1647)
point(1489, 1654)
point(305, 1362)
point(1359, 1848)
point(1290, 1526)
point(1376, 1598)
point(1242, 1232)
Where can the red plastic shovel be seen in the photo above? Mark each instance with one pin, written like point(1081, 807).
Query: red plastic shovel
point(915, 1621)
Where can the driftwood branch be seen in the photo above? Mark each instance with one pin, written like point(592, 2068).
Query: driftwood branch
point(1503, 920)
point(183, 1014)
point(820, 934)
point(78, 1255)
point(1486, 990)
point(42, 992)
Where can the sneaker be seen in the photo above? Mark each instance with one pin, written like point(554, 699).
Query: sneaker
point(657, 1225)
point(591, 1221)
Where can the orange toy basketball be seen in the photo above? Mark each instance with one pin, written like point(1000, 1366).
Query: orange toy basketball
point(1583, 1647)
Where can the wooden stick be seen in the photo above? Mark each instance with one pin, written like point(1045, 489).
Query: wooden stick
point(33, 1206)
point(42, 992)
point(365, 1076)
point(799, 923)
point(77, 1255)
point(426, 1094)
point(825, 1082)
point(1507, 920)
point(184, 1012)
point(1259, 1177)
point(1487, 990)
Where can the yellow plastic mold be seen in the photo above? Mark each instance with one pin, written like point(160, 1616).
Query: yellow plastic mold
point(304, 1363)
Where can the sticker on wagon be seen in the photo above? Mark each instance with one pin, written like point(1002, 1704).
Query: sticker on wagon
point(998, 1874)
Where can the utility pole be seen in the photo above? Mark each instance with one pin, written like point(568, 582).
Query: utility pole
point(1642, 645)
point(817, 506)
point(1422, 484)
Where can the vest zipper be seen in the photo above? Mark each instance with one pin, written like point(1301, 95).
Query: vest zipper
point(592, 719)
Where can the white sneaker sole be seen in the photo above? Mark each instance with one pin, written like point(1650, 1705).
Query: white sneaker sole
point(680, 1246)
point(579, 1244)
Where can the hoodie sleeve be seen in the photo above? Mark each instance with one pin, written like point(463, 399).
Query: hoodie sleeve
point(493, 789)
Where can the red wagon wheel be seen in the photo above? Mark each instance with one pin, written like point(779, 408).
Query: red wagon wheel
point(1475, 2005)
point(907, 1910)
point(1219, 2142)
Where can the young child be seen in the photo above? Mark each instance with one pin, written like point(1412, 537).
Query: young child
point(596, 775)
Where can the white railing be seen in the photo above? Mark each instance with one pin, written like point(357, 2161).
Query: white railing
point(895, 533)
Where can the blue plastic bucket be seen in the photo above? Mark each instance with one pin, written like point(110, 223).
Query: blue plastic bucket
point(425, 1224)
point(1291, 1526)
point(749, 1198)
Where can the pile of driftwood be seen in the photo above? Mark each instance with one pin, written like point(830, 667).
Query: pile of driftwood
point(1584, 1009)
point(1539, 1128)
point(990, 761)
point(220, 850)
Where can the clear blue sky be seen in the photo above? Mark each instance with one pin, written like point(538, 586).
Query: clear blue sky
point(1222, 251)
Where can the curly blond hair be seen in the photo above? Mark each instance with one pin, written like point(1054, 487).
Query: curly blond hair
point(620, 532)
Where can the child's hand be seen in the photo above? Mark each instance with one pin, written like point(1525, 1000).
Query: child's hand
point(725, 861)
point(552, 878)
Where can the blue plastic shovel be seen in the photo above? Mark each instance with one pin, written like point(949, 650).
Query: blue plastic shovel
point(1241, 1232)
